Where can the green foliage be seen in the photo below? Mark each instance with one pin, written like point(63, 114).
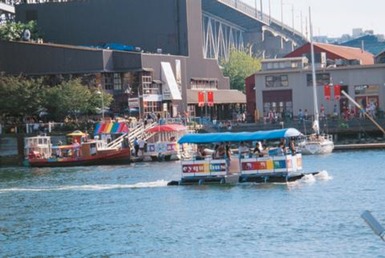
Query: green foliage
point(19, 96)
point(71, 99)
point(14, 30)
point(239, 66)
point(22, 97)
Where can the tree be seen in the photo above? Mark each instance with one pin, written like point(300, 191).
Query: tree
point(239, 66)
point(20, 97)
point(15, 30)
point(71, 98)
point(23, 97)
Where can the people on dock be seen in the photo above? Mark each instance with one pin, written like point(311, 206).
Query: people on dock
point(141, 143)
point(136, 146)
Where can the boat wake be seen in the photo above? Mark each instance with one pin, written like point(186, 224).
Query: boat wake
point(101, 187)
point(321, 176)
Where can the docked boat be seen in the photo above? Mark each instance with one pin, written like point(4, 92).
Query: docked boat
point(161, 142)
point(110, 146)
point(316, 143)
point(274, 165)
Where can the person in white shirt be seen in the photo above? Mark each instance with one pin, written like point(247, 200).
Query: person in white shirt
point(141, 143)
point(243, 149)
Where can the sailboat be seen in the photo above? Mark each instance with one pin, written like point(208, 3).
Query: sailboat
point(315, 143)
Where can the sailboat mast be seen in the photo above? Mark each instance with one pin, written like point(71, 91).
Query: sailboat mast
point(314, 78)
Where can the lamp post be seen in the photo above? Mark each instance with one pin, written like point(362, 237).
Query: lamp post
point(101, 95)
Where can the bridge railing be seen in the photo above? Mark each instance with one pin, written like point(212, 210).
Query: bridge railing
point(245, 8)
point(265, 18)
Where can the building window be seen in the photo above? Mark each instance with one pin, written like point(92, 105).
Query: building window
point(273, 81)
point(284, 81)
point(152, 107)
point(109, 81)
point(277, 104)
point(146, 83)
point(203, 84)
point(112, 81)
point(117, 81)
point(321, 79)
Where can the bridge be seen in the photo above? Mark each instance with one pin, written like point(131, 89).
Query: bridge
point(231, 24)
point(227, 24)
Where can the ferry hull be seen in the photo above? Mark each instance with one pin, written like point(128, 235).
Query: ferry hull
point(112, 158)
point(239, 179)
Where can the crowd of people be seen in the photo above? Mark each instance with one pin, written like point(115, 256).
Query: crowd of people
point(224, 150)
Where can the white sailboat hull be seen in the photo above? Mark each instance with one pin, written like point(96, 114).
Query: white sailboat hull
point(317, 145)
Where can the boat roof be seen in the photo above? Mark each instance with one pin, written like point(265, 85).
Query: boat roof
point(167, 128)
point(77, 133)
point(239, 136)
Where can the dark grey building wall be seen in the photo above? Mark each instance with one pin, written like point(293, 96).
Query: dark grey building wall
point(36, 59)
point(40, 59)
point(197, 66)
point(149, 24)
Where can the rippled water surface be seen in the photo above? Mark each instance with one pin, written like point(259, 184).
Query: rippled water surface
point(129, 211)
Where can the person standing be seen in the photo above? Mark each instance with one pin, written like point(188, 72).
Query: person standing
point(141, 143)
point(136, 147)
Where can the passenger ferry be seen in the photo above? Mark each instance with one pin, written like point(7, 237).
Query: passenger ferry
point(110, 146)
point(270, 166)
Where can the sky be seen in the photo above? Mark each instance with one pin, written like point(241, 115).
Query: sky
point(331, 18)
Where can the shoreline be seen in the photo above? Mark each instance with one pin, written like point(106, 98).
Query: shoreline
point(16, 160)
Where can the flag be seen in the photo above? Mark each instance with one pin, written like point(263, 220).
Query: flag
point(201, 98)
point(210, 98)
point(337, 92)
point(327, 91)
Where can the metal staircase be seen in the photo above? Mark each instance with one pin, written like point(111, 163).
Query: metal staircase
point(139, 131)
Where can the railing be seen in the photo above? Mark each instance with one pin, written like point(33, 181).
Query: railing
point(139, 131)
point(117, 142)
point(251, 11)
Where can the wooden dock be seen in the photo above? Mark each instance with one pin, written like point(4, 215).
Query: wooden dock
point(359, 146)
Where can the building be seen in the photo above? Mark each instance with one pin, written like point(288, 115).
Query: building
point(284, 86)
point(150, 57)
point(370, 43)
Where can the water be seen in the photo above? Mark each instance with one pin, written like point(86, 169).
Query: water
point(129, 211)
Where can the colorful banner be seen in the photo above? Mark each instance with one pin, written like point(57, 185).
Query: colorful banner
point(210, 98)
point(204, 167)
point(196, 168)
point(201, 99)
point(337, 92)
point(327, 91)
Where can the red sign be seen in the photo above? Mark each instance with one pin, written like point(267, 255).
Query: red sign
point(210, 98)
point(201, 98)
point(337, 92)
point(327, 91)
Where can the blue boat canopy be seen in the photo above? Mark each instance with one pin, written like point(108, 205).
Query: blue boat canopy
point(241, 136)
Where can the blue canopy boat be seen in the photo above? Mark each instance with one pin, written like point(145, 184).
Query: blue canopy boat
point(275, 165)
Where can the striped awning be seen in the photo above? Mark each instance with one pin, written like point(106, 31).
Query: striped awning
point(111, 128)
